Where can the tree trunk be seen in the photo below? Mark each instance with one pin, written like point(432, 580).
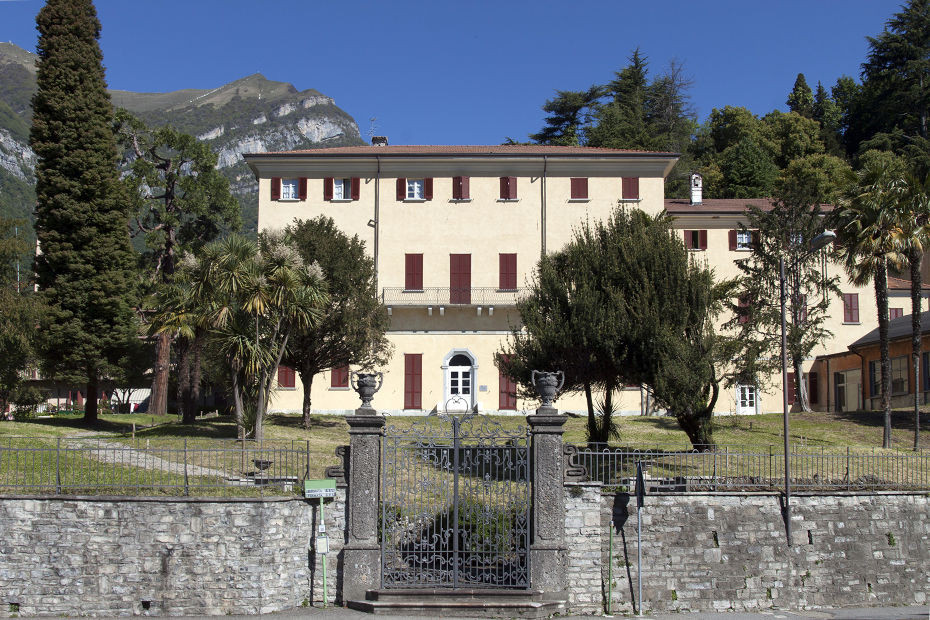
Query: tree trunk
point(306, 379)
point(800, 387)
point(184, 381)
point(158, 401)
point(881, 299)
point(90, 405)
point(196, 373)
point(698, 426)
point(914, 259)
point(592, 421)
point(237, 398)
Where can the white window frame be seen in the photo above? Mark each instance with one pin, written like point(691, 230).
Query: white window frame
point(290, 189)
point(342, 189)
point(747, 399)
point(415, 189)
point(743, 240)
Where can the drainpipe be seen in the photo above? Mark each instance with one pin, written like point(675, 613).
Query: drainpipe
point(377, 220)
point(542, 208)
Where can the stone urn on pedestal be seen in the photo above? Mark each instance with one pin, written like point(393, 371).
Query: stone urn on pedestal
point(548, 385)
point(366, 384)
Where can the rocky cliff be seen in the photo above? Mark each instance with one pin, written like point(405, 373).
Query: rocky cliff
point(248, 115)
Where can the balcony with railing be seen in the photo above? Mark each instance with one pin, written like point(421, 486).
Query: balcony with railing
point(451, 296)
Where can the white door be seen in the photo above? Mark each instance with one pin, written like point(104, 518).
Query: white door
point(745, 399)
point(459, 382)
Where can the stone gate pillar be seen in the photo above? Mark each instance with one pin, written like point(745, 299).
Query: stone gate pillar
point(362, 553)
point(547, 549)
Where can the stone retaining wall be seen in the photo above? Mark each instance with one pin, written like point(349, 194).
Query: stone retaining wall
point(709, 552)
point(126, 556)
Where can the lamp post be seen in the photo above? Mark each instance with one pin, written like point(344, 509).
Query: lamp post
point(817, 243)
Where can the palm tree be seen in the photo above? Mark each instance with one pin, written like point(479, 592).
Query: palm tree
point(255, 296)
point(914, 220)
point(871, 232)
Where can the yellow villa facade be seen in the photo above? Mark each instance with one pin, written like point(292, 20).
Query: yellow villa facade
point(455, 232)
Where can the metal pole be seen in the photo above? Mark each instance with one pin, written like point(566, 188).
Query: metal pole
point(187, 490)
point(639, 557)
point(58, 468)
point(610, 568)
point(323, 522)
point(784, 396)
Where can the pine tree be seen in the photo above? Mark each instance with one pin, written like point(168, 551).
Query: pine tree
point(801, 98)
point(84, 270)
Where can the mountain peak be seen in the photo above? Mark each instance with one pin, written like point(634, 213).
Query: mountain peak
point(10, 53)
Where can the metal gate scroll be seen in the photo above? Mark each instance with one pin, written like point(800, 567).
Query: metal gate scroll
point(455, 504)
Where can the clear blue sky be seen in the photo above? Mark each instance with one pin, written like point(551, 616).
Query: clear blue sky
point(473, 71)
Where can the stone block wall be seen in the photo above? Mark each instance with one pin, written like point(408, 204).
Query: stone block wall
point(710, 552)
point(130, 556)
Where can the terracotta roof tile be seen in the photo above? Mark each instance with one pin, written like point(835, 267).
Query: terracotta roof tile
point(439, 149)
point(901, 284)
point(683, 206)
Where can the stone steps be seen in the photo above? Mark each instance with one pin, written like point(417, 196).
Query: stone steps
point(439, 602)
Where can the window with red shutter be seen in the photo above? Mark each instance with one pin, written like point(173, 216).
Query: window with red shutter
point(328, 188)
point(302, 188)
point(850, 307)
point(732, 238)
point(630, 188)
point(742, 310)
point(895, 313)
point(276, 188)
point(356, 188)
point(286, 378)
point(413, 272)
point(579, 188)
point(508, 188)
point(460, 278)
point(339, 377)
point(702, 239)
point(401, 189)
point(508, 272)
point(460, 188)
point(507, 393)
point(413, 380)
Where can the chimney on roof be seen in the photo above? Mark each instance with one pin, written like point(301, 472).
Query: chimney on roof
point(697, 188)
point(379, 141)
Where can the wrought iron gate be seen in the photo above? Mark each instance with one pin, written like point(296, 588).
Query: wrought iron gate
point(455, 504)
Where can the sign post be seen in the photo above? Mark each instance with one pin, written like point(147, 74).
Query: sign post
point(640, 500)
point(321, 489)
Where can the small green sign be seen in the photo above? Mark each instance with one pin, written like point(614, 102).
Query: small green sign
point(325, 487)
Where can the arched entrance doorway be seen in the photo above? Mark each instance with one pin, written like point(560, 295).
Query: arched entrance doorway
point(459, 370)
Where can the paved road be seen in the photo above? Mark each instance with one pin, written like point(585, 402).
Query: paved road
point(859, 613)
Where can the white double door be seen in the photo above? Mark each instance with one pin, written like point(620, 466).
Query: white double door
point(459, 387)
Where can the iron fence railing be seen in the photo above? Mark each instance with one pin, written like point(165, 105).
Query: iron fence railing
point(153, 467)
point(729, 468)
point(451, 296)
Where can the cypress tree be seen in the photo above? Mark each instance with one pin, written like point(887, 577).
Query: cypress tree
point(84, 271)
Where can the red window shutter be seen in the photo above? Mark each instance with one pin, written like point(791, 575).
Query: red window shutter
point(508, 272)
point(507, 397)
point(413, 267)
point(413, 380)
point(428, 188)
point(356, 188)
point(456, 188)
point(579, 188)
point(754, 238)
point(792, 391)
point(401, 189)
point(505, 188)
point(513, 188)
point(285, 377)
point(276, 188)
point(732, 240)
point(702, 238)
point(850, 307)
point(460, 278)
point(630, 188)
point(895, 313)
point(689, 237)
point(302, 188)
point(812, 388)
point(328, 188)
point(466, 189)
point(339, 377)
point(742, 310)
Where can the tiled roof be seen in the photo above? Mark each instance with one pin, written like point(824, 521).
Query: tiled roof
point(683, 206)
point(897, 329)
point(439, 149)
point(900, 284)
